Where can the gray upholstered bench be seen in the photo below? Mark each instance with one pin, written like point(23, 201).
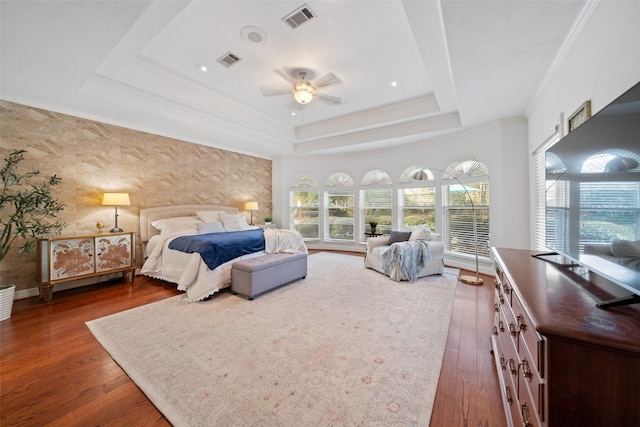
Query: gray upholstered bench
point(254, 276)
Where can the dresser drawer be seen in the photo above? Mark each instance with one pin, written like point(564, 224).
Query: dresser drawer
point(531, 384)
point(508, 389)
point(531, 345)
point(528, 410)
point(510, 352)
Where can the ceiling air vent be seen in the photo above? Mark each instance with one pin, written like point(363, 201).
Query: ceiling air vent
point(299, 16)
point(228, 59)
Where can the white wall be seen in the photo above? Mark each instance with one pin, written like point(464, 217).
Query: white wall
point(502, 146)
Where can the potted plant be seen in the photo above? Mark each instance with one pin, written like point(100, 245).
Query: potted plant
point(373, 226)
point(27, 210)
point(267, 220)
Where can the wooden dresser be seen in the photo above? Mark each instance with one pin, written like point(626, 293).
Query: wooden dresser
point(562, 361)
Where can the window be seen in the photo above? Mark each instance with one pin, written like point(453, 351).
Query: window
point(375, 203)
point(304, 206)
point(339, 208)
point(540, 164)
point(417, 197)
point(465, 193)
point(555, 204)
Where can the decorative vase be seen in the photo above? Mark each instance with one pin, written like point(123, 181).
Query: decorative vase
point(6, 301)
point(373, 230)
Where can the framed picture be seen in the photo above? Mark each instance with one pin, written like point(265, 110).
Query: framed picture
point(579, 116)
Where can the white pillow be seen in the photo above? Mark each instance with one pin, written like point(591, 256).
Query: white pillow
point(210, 227)
point(420, 234)
point(209, 216)
point(233, 222)
point(171, 225)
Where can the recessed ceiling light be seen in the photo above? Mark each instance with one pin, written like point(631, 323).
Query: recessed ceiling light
point(393, 83)
point(201, 67)
point(293, 113)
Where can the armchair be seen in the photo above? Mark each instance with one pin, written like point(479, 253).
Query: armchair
point(377, 246)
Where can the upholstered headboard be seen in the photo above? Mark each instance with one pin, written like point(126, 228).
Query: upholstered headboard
point(147, 215)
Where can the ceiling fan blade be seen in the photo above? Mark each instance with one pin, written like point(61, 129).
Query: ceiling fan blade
point(332, 99)
point(284, 75)
point(326, 80)
point(274, 92)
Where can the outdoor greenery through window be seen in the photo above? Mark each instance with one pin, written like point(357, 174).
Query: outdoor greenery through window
point(375, 204)
point(340, 212)
point(465, 193)
point(417, 197)
point(304, 205)
point(417, 206)
point(339, 205)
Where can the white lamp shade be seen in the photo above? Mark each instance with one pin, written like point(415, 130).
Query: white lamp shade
point(303, 97)
point(115, 199)
point(251, 206)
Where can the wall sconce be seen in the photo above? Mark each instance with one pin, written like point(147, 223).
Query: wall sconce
point(116, 199)
point(251, 206)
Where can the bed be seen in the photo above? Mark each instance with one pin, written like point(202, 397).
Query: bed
point(160, 226)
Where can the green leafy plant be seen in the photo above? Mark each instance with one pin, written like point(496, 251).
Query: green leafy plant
point(373, 224)
point(27, 209)
point(267, 219)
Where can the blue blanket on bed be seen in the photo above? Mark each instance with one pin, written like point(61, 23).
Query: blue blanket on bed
point(218, 248)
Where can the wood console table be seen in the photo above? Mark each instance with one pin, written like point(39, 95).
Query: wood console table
point(561, 360)
point(66, 258)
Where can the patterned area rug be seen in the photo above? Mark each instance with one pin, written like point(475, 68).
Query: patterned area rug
point(345, 346)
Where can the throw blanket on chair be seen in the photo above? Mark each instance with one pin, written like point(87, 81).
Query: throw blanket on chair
point(404, 260)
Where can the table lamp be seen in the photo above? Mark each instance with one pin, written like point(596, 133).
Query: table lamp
point(115, 199)
point(251, 206)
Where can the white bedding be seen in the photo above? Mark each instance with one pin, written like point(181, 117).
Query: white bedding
point(192, 275)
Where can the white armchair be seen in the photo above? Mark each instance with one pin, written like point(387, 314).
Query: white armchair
point(376, 246)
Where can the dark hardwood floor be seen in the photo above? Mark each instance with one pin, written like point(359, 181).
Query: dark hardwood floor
point(53, 371)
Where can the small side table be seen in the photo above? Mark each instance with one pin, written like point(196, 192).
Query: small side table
point(373, 234)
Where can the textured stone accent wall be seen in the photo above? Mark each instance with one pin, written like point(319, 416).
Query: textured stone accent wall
point(93, 158)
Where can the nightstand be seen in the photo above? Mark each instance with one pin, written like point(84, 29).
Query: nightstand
point(66, 258)
point(265, 226)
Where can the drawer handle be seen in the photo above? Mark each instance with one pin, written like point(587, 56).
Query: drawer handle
point(496, 284)
point(524, 411)
point(501, 297)
point(503, 364)
point(501, 325)
point(508, 393)
point(512, 329)
point(526, 371)
point(521, 325)
point(506, 289)
point(512, 367)
point(495, 330)
point(496, 307)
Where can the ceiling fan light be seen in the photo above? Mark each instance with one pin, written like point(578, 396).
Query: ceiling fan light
point(303, 96)
point(303, 91)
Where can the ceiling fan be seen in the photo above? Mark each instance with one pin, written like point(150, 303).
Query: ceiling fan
point(303, 89)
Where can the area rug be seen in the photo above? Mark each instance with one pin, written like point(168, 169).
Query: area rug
point(345, 346)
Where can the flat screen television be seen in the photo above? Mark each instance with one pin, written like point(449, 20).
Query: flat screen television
point(593, 196)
